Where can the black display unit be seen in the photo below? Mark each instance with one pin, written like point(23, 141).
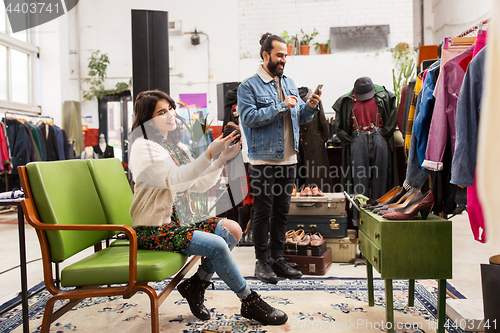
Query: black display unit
point(150, 51)
point(222, 89)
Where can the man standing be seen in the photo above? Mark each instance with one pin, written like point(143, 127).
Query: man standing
point(270, 113)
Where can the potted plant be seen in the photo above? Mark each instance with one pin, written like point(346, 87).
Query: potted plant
point(404, 58)
point(305, 40)
point(288, 40)
point(323, 47)
point(98, 64)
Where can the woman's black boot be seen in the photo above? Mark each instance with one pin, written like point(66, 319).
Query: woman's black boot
point(193, 290)
point(254, 307)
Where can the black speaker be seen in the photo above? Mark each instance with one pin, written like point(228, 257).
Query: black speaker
point(150, 51)
point(222, 89)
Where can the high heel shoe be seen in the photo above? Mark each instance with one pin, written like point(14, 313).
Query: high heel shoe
point(402, 191)
point(416, 195)
point(423, 205)
point(383, 199)
point(395, 200)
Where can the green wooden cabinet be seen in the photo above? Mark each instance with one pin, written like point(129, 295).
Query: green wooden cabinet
point(410, 249)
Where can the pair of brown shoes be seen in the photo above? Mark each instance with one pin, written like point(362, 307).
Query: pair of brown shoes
point(311, 240)
point(294, 237)
point(314, 191)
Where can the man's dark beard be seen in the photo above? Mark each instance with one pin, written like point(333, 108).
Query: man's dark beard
point(273, 68)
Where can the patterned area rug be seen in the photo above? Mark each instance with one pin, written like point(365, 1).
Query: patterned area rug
point(312, 305)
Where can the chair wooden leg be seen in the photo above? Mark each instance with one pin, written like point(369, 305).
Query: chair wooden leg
point(47, 315)
point(155, 313)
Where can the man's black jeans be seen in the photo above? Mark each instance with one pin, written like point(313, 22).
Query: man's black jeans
point(272, 186)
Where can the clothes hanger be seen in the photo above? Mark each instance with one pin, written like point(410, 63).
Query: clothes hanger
point(464, 40)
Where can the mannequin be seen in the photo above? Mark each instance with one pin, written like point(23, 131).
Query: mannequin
point(365, 121)
point(89, 153)
point(102, 149)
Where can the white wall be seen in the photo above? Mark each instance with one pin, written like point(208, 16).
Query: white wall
point(451, 17)
point(106, 26)
point(258, 17)
point(234, 29)
point(337, 72)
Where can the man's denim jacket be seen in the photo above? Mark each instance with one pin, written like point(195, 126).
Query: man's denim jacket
point(261, 115)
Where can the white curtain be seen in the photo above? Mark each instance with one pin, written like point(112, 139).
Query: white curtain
point(488, 164)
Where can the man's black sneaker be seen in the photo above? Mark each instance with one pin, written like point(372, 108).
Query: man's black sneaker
point(283, 269)
point(264, 272)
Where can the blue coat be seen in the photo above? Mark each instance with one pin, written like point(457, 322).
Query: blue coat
point(463, 167)
point(261, 116)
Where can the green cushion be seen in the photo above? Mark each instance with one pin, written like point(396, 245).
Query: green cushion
point(64, 193)
point(110, 266)
point(120, 242)
point(113, 189)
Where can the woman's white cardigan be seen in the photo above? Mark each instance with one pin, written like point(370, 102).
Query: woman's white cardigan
point(157, 179)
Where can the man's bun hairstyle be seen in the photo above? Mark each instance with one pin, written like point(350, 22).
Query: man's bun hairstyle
point(266, 42)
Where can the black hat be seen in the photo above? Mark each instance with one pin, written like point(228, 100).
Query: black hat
point(363, 88)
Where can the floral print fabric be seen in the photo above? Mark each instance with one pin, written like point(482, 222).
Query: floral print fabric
point(175, 236)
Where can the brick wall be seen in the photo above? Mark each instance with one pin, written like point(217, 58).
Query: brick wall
point(257, 17)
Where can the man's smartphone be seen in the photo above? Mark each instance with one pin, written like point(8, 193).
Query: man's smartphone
point(320, 86)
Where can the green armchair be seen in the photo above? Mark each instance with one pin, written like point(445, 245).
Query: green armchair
point(76, 204)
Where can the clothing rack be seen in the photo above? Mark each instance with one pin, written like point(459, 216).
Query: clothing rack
point(478, 27)
point(19, 113)
point(38, 116)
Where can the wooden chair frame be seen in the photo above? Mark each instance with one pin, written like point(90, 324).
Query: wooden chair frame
point(77, 295)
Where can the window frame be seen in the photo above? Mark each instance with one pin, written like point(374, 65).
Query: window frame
point(33, 54)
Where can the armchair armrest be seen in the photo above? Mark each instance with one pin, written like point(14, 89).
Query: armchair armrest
point(33, 220)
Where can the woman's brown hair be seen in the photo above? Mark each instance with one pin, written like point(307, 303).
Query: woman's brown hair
point(144, 107)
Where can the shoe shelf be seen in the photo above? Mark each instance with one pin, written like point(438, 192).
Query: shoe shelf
point(407, 249)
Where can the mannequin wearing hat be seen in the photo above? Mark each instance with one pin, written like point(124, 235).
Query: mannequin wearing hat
point(365, 119)
point(103, 149)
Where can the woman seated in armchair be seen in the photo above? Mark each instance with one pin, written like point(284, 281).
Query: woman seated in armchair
point(162, 168)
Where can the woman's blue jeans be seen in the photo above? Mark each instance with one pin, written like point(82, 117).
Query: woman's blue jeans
point(216, 248)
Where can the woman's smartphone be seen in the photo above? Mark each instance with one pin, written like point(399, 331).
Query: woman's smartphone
point(228, 130)
point(320, 86)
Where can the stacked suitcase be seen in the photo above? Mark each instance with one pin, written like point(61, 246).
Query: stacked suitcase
point(326, 215)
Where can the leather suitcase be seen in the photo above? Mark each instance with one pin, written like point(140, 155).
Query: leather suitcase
point(312, 265)
point(330, 204)
point(292, 249)
point(327, 226)
point(343, 249)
